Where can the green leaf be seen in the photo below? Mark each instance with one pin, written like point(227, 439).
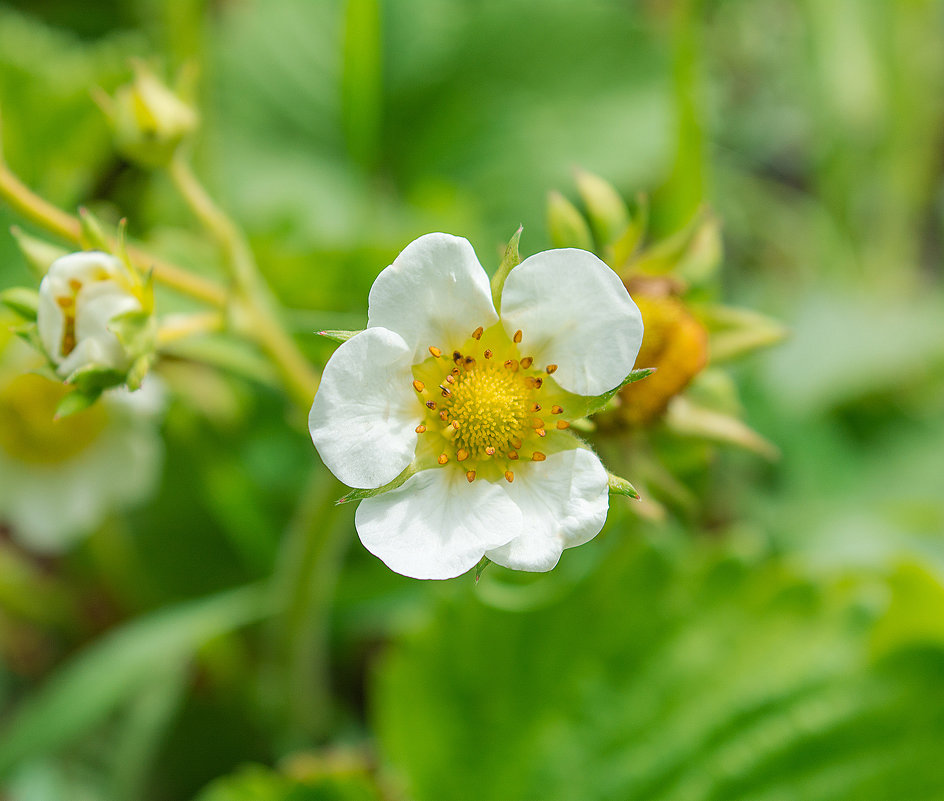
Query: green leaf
point(510, 260)
point(117, 668)
point(75, 402)
point(22, 301)
point(598, 403)
point(336, 334)
point(606, 210)
point(567, 226)
point(666, 675)
point(258, 783)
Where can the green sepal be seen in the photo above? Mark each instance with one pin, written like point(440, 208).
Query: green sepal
point(38, 253)
point(620, 486)
point(138, 370)
point(509, 261)
point(598, 403)
point(606, 210)
point(96, 379)
point(92, 234)
point(567, 226)
point(736, 332)
point(480, 567)
point(21, 300)
point(692, 254)
point(29, 333)
point(360, 494)
point(136, 331)
point(336, 334)
point(75, 402)
point(628, 242)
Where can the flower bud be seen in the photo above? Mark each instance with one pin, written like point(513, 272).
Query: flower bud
point(149, 120)
point(94, 315)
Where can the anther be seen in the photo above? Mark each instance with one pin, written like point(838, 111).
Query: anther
point(517, 336)
point(420, 429)
point(470, 476)
point(462, 454)
point(533, 383)
point(490, 450)
point(442, 458)
point(537, 422)
point(526, 362)
point(512, 364)
point(455, 425)
point(477, 333)
point(443, 415)
point(513, 455)
point(445, 392)
point(430, 404)
point(551, 368)
point(451, 379)
point(456, 356)
point(516, 442)
point(509, 476)
point(455, 371)
point(469, 363)
point(535, 407)
point(435, 351)
point(488, 354)
point(419, 386)
point(557, 410)
point(540, 432)
point(537, 456)
point(562, 424)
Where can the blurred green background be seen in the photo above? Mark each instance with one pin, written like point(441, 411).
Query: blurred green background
point(781, 639)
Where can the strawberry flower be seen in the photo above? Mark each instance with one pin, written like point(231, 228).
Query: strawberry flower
point(458, 414)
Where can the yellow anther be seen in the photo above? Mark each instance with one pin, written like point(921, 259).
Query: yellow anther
point(442, 458)
point(435, 351)
point(526, 362)
point(443, 415)
point(551, 368)
point(537, 422)
point(517, 336)
point(430, 404)
point(470, 476)
point(537, 456)
point(540, 432)
point(477, 333)
point(562, 424)
point(488, 354)
point(451, 379)
point(455, 425)
point(517, 442)
point(419, 386)
point(512, 364)
point(509, 476)
point(420, 429)
point(445, 391)
point(462, 454)
point(513, 455)
point(557, 410)
point(535, 407)
point(490, 450)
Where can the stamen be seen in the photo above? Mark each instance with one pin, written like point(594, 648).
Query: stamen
point(455, 372)
point(537, 456)
point(537, 422)
point(443, 415)
point(513, 455)
point(430, 404)
point(451, 379)
point(557, 410)
point(533, 383)
point(456, 356)
point(442, 458)
point(509, 476)
point(470, 476)
point(445, 392)
point(526, 362)
point(517, 336)
point(488, 354)
point(462, 454)
point(535, 407)
point(512, 364)
point(490, 450)
point(435, 351)
point(455, 425)
point(477, 333)
point(562, 424)
point(551, 368)
point(420, 429)
point(540, 432)
point(419, 386)
point(517, 442)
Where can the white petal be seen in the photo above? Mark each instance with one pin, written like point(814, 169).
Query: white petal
point(365, 410)
point(434, 293)
point(437, 525)
point(574, 312)
point(97, 304)
point(51, 322)
point(86, 266)
point(563, 503)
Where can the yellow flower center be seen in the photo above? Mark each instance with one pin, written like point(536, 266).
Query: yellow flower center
point(28, 432)
point(488, 406)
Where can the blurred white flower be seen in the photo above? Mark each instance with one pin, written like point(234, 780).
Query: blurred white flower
point(80, 299)
point(477, 405)
point(59, 479)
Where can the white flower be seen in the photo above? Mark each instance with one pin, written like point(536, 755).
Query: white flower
point(477, 405)
point(60, 479)
point(79, 298)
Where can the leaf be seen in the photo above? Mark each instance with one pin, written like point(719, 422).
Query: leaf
point(117, 667)
point(662, 677)
point(257, 783)
point(22, 301)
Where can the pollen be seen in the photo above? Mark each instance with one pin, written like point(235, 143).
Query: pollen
point(509, 476)
point(435, 351)
point(420, 429)
point(490, 408)
point(419, 386)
